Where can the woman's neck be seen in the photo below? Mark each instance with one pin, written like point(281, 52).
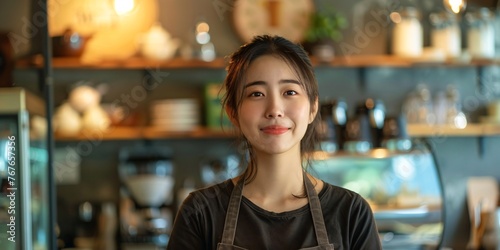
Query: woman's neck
point(278, 182)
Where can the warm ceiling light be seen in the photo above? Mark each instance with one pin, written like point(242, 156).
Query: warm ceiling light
point(123, 7)
point(202, 27)
point(455, 6)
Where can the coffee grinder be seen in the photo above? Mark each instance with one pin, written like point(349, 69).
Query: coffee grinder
point(145, 196)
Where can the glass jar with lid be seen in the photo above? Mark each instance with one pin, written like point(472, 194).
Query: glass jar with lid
point(481, 33)
point(407, 34)
point(446, 34)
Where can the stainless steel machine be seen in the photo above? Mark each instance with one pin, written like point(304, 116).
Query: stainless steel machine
point(146, 193)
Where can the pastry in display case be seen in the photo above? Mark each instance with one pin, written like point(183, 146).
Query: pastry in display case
point(403, 189)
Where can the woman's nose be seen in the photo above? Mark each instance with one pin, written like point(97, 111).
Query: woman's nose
point(274, 108)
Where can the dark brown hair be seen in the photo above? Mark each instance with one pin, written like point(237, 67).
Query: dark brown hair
point(295, 56)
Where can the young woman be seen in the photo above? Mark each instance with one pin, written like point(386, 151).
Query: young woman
point(272, 100)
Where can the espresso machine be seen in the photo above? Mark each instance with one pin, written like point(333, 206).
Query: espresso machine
point(146, 194)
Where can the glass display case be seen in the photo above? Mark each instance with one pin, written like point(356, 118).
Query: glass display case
point(23, 171)
point(403, 189)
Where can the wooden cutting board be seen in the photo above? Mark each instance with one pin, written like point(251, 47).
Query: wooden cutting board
point(482, 196)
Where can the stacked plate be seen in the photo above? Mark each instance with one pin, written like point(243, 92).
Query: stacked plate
point(175, 114)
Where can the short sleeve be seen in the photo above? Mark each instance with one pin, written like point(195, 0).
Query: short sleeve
point(364, 234)
point(187, 231)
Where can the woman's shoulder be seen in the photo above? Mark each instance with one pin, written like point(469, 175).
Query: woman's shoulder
point(347, 211)
point(340, 195)
point(330, 189)
point(212, 194)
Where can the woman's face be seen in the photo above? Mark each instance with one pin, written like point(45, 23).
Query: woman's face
point(275, 109)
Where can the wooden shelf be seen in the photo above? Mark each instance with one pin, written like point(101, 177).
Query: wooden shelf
point(113, 133)
point(220, 63)
point(417, 130)
point(401, 62)
point(199, 133)
point(137, 133)
point(131, 63)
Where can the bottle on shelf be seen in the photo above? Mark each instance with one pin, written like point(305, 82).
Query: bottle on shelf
point(327, 132)
point(454, 114)
point(375, 111)
point(418, 107)
point(358, 135)
point(395, 135)
point(440, 105)
point(339, 116)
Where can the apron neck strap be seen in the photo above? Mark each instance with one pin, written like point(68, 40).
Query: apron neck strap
point(232, 213)
point(317, 213)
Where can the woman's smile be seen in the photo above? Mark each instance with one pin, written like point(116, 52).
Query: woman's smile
point(275, 129)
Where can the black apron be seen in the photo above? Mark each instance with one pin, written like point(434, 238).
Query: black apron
point(234, 207)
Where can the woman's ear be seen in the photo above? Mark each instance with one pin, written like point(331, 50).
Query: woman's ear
point(229, 112)
point(314, 111)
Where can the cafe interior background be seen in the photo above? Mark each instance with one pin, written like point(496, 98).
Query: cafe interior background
point(141, 100)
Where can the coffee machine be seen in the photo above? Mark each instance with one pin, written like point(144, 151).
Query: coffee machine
point(146, 194)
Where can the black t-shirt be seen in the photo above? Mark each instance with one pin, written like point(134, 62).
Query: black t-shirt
point(200, 222)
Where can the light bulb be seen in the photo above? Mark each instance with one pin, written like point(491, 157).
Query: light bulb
point(395, 17)
point(123, 7)
point(202, 27)
point(455, 6)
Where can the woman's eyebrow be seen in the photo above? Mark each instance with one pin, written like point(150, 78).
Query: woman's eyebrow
point(250, 84)
point(289, 81)
point(254, 83)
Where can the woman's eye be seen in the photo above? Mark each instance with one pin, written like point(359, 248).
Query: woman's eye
point(256, 94)
point(290, 92)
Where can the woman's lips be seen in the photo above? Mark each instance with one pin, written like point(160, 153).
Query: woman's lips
point(274, 130)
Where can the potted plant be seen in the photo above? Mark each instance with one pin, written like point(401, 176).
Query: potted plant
point(325, 28)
